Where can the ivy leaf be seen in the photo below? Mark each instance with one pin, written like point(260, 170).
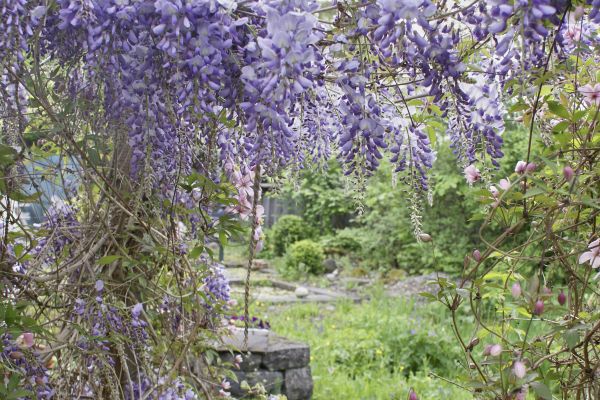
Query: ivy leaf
point(541, 390)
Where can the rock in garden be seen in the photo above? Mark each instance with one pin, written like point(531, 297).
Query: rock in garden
point(259, 264)
point(301, 292)
point(329, 265)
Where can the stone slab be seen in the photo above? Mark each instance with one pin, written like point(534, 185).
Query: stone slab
point(298, 384)
point(271, 380)
point(251, 361)
point(285, 354)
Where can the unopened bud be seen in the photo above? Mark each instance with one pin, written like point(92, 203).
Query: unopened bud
point(538, 307)
point(495, 350)
point(413, 395)
point(531, 167)
point(474, 342)
point(562, 298)
point(476, 255)
point(515, 290)
point(520, 167)
point(547, 291)
point(424, 237)
point(568, 173)
point(519, 369)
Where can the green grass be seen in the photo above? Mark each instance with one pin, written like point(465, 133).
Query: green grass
point(374, 350)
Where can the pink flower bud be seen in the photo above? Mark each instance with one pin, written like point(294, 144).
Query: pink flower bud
point(562, 298)
point(476, 255)
point(515, 290)
point(225, 385)
point(494, 191)
point(519, 369)
point(578, 13)
point(538, 307)
point(413, 395)
point(521, 394)
point(232, 302)
point(487, 349)
point(504, 184)
point(547, 291)
point(495, 350)
point(25, 340)
point(520, 167)
point(238, 359)
point(568, 173)
point(531, 167)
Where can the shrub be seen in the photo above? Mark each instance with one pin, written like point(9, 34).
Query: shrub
point(304, 257)
point(287, 230)
point(342, 243)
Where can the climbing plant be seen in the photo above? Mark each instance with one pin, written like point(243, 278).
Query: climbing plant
point(158, 119)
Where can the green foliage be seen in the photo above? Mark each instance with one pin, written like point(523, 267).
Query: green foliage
point(382, 237)
point(304, 257)
point(374, 350)
point(343, 242)
point(321, 195)
point(287, 230)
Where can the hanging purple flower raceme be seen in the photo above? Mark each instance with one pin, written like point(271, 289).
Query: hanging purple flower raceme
point(105, 323)
point(216, 285)
point(143, 388)
point(282, 66)
point(59, 231)
point(362, 124)
point(25, 361)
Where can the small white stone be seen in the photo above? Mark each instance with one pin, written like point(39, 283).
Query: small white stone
point(301, 292)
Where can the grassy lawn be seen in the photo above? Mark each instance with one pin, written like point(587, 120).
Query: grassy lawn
point(374, 350)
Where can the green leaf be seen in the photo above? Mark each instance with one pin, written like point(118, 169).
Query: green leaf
point(561, 126)
point(571, 338)
point(24, 197)
point(558, 109)
point(428, 295)
point(534, 192)
point(18, 393)
point(7, 155)
point(519, 107)
point(195, 252)
point(108, 259)
point(541, 390)
point(223, 238)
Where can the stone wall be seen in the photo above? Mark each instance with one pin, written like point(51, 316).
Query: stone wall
point(280, 365)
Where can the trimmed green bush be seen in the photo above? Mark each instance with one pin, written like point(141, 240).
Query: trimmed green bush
point(342, 243)
point(304, 257)
point(287, 230)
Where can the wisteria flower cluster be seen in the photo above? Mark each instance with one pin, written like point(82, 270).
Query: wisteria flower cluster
point(160, 106)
